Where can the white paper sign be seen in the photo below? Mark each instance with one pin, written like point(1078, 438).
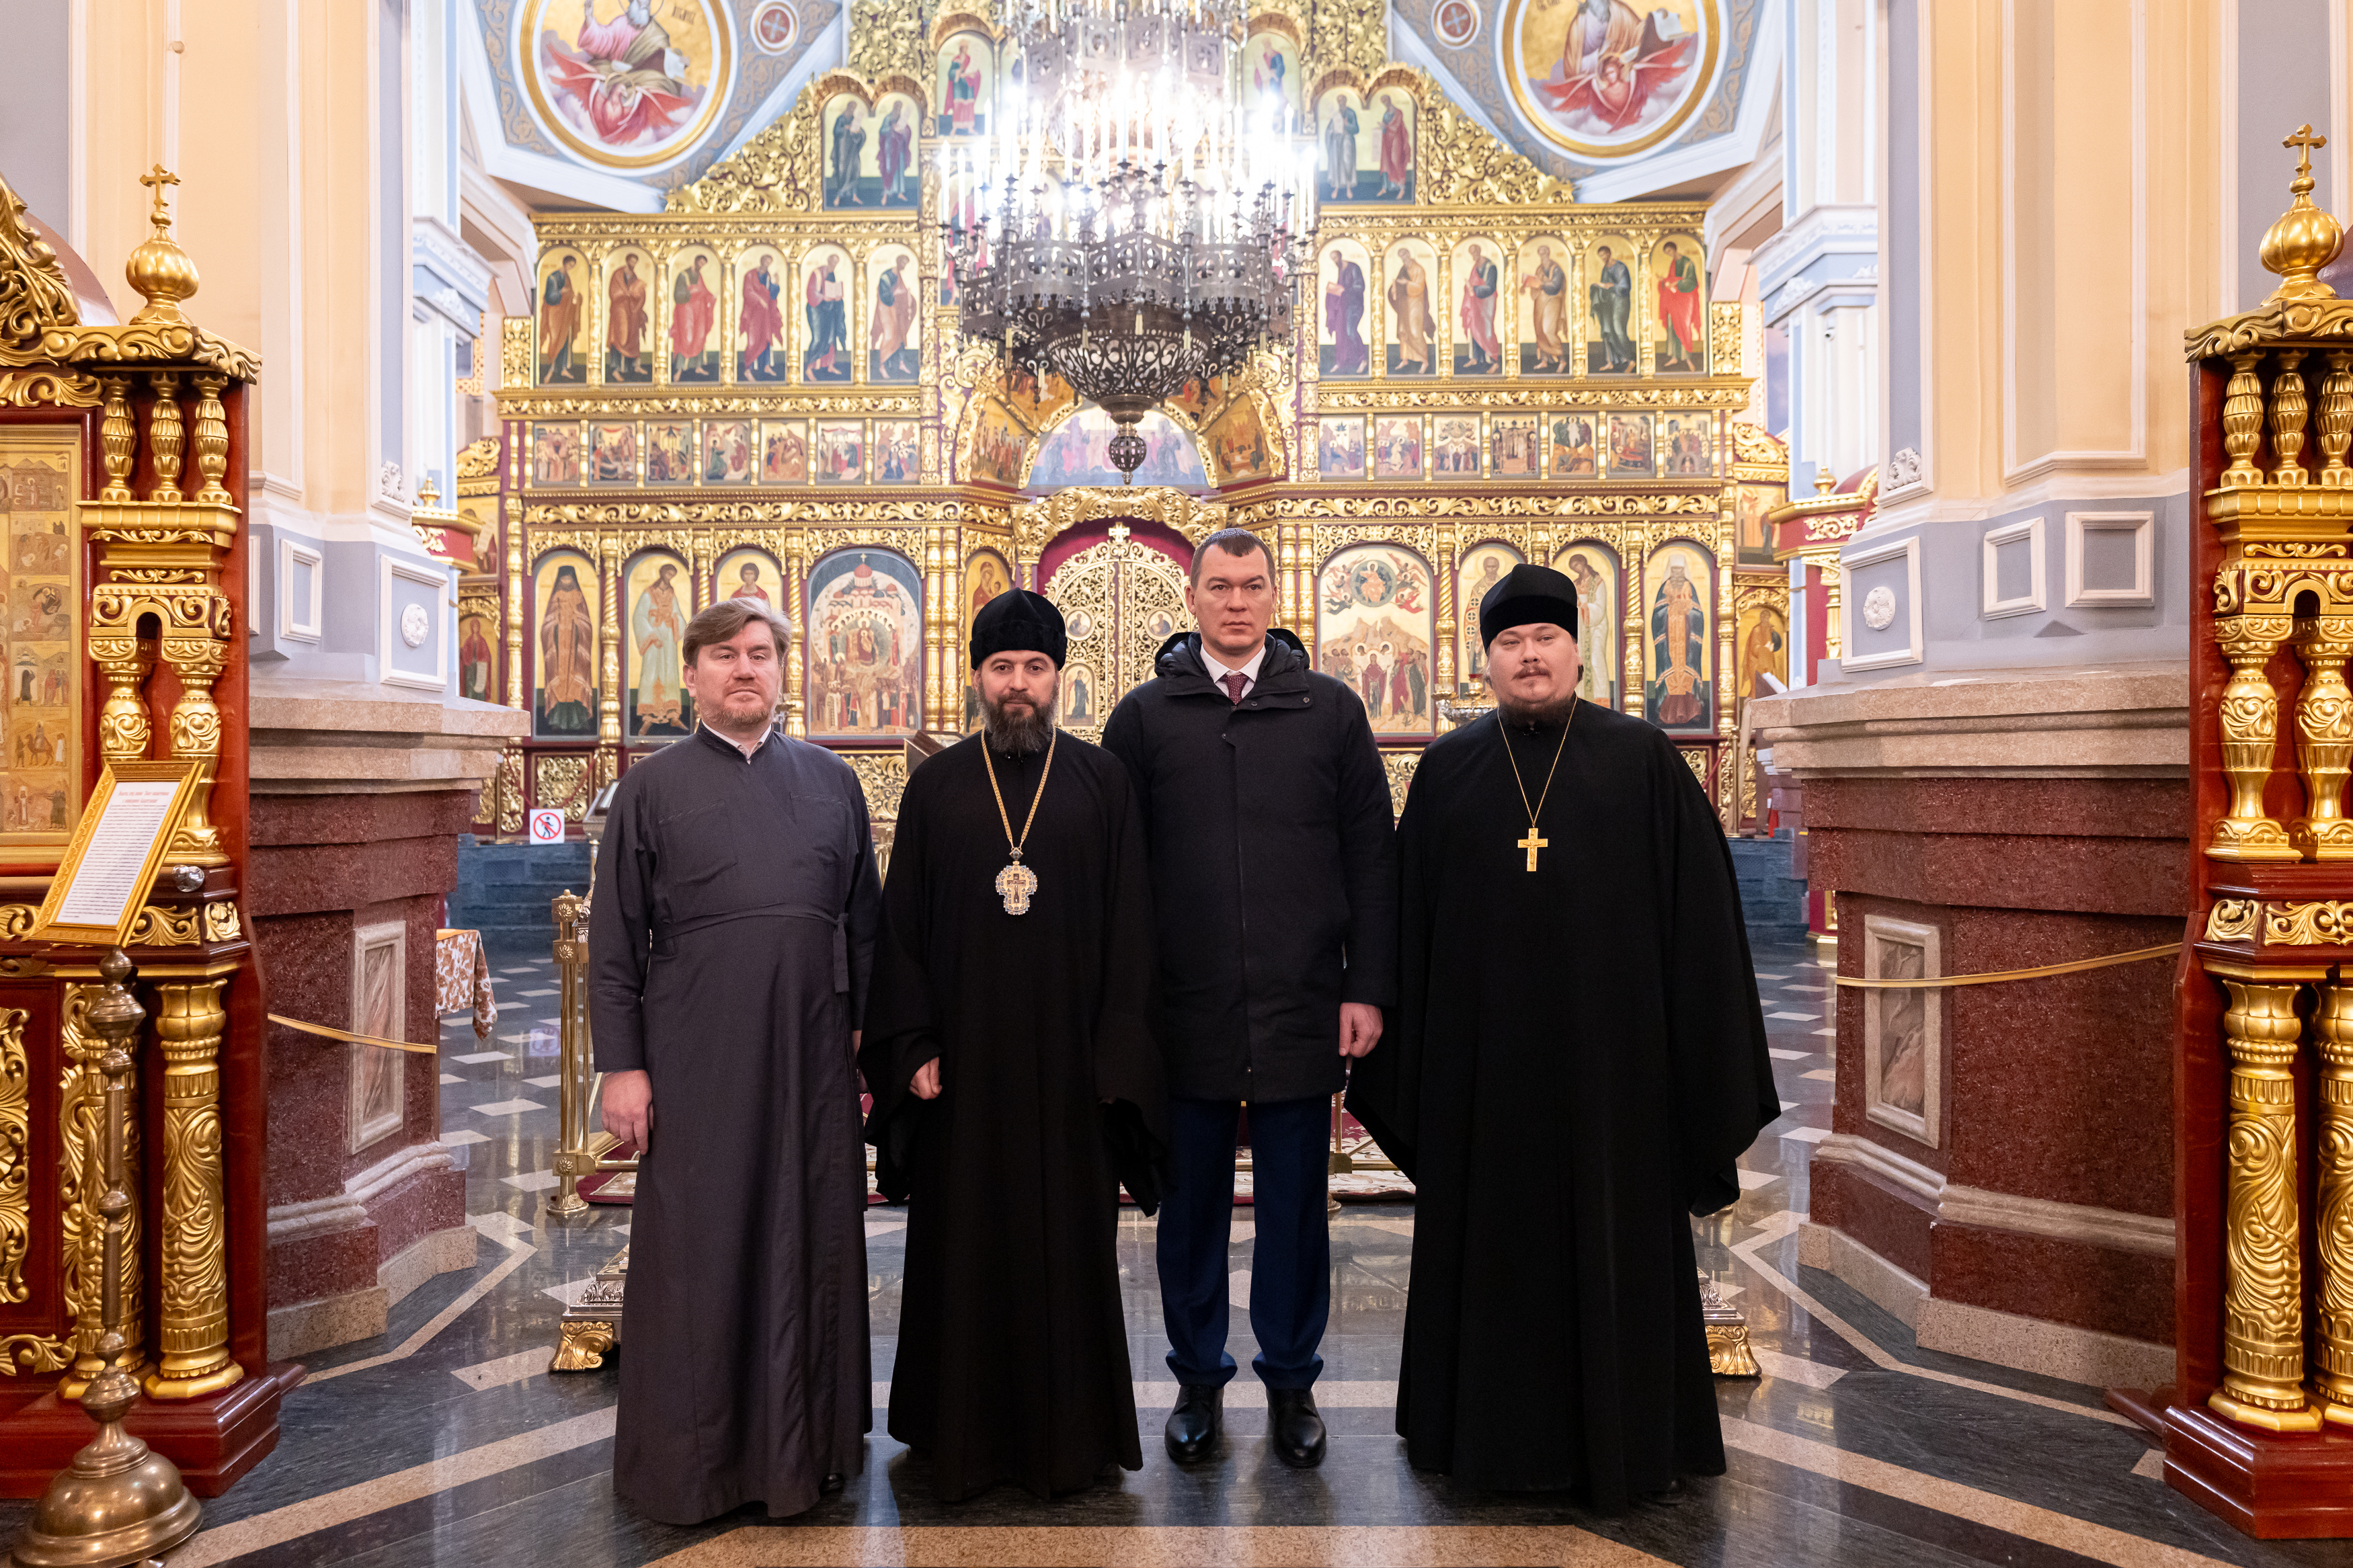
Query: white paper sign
point(106, 883)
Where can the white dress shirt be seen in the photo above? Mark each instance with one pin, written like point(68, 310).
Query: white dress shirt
point(1247, 671)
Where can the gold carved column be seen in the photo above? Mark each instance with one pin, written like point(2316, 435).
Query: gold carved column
point(608, 683)
point(2249, 719)
point(795, 665)
point(192, 1329)
point(2262, 1302)
point(81, 1172)
point(2324, 738)
point(2332, 1374)
point(510, 779)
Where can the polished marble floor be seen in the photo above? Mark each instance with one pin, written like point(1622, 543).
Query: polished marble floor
point(446, 1440)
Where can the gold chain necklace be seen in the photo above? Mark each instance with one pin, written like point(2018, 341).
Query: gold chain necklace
point(1532, 842)
point(1017, 882)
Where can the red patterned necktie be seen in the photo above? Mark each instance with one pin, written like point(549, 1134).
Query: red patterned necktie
point(1235, 680)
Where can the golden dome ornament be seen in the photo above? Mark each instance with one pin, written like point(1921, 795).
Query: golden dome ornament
point(2305, 238)
point(164, 274)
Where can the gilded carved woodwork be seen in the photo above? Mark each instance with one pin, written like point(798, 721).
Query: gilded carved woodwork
point(2263, 1305)
point(1462, 163)
point(81, 1180)
point(193, 1283)
point(882, 776)
point(2324, 727)
point(2332, 1220)
point(61, 389)
point(2232, 919)
point(16, 1157)
point(1035, 525)
point(2249, 719)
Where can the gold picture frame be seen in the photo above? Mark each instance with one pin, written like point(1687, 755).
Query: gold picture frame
point(144, 824)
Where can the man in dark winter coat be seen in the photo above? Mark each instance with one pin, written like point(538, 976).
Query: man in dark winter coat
point(1267, 816)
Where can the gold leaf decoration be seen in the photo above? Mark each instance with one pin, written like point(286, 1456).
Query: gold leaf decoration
point(886, 37)
point(2231, 919)
point(776, 171)
point(33, 294)
point(2323, 924)
point(1461, 162)
point(60, 388)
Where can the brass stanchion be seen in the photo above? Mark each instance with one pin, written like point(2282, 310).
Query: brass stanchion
point(573, 1159)
point(118, 1502)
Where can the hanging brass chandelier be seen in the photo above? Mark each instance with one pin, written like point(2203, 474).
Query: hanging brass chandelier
point(1129, 223)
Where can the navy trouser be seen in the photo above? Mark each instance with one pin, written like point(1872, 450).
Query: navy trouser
point(1290, 1264)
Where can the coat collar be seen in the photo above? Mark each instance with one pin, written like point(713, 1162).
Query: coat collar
point(1281, 679)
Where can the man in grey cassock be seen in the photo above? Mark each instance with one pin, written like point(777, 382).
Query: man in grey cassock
point(732, 932)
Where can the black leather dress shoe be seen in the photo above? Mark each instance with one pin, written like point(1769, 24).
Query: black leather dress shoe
point(1193, 1425)
point(1294, 1429)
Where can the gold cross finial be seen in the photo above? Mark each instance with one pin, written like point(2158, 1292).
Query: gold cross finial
point(2306, 144)
point(160, 177)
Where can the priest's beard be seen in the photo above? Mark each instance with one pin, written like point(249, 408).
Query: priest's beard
point(1536, 715)
point(1017, 729)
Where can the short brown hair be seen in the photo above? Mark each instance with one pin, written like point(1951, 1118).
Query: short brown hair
point(1234, 542)
point(727, 619)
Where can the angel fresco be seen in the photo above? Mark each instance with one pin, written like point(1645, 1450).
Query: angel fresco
point(1618, 68)
point(620, 82)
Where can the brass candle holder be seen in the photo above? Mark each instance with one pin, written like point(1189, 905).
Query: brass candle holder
point(118, 1502)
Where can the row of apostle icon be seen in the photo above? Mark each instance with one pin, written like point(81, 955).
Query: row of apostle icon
point(1374, 629)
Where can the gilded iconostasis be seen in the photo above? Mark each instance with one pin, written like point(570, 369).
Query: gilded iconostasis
point(761, 392)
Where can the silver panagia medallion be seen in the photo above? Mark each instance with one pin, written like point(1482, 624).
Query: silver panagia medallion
point(1014, 885)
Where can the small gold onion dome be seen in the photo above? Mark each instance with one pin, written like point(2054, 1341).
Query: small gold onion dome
point(162, 273)
point(2305, 238)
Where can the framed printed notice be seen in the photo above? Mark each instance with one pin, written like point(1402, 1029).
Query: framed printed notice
point(115, 853)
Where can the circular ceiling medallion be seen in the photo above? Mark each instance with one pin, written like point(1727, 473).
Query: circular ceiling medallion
point(1600, 79)
point(1457, 22)
point(628, 84)
point(775, 27)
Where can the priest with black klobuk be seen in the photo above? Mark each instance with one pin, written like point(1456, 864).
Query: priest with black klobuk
point(1016, 1082)
point(1577, 1059)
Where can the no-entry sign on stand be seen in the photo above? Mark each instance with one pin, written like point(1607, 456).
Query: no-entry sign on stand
point(546, 826)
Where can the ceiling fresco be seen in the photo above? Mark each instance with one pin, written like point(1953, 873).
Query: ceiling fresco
point(1606, 89)
point(653, 92)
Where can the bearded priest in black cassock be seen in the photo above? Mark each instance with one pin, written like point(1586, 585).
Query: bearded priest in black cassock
point(1577, 1061)
point(1016, 1082)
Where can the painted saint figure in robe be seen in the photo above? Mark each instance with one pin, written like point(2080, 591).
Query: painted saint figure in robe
point(1679, 311)
point(1597, 622)
point(895, 143)
point(657, 624)
point(559, 326)
point(1547, 286)
point(625, 324)
point(1267, 73)
point(747, 585)
point(1678, 695)
point(1479, 288)
point(894, 357)
point(1410, 315)
point(695, 310)
point(1344, 314)
point(825, 298)
point(963, 77)
point(848, 151)
point(762, 324)
point(1340, 150)
point(1612, 299)
point(567, 672)
point(474, 654)
point(1396, 151)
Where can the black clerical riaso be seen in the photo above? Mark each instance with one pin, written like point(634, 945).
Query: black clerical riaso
point(1012, 1361)
point(1577, 1059)
point(734, 919)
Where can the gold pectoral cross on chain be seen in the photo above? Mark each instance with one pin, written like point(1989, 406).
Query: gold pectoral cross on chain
point(1532, 844)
